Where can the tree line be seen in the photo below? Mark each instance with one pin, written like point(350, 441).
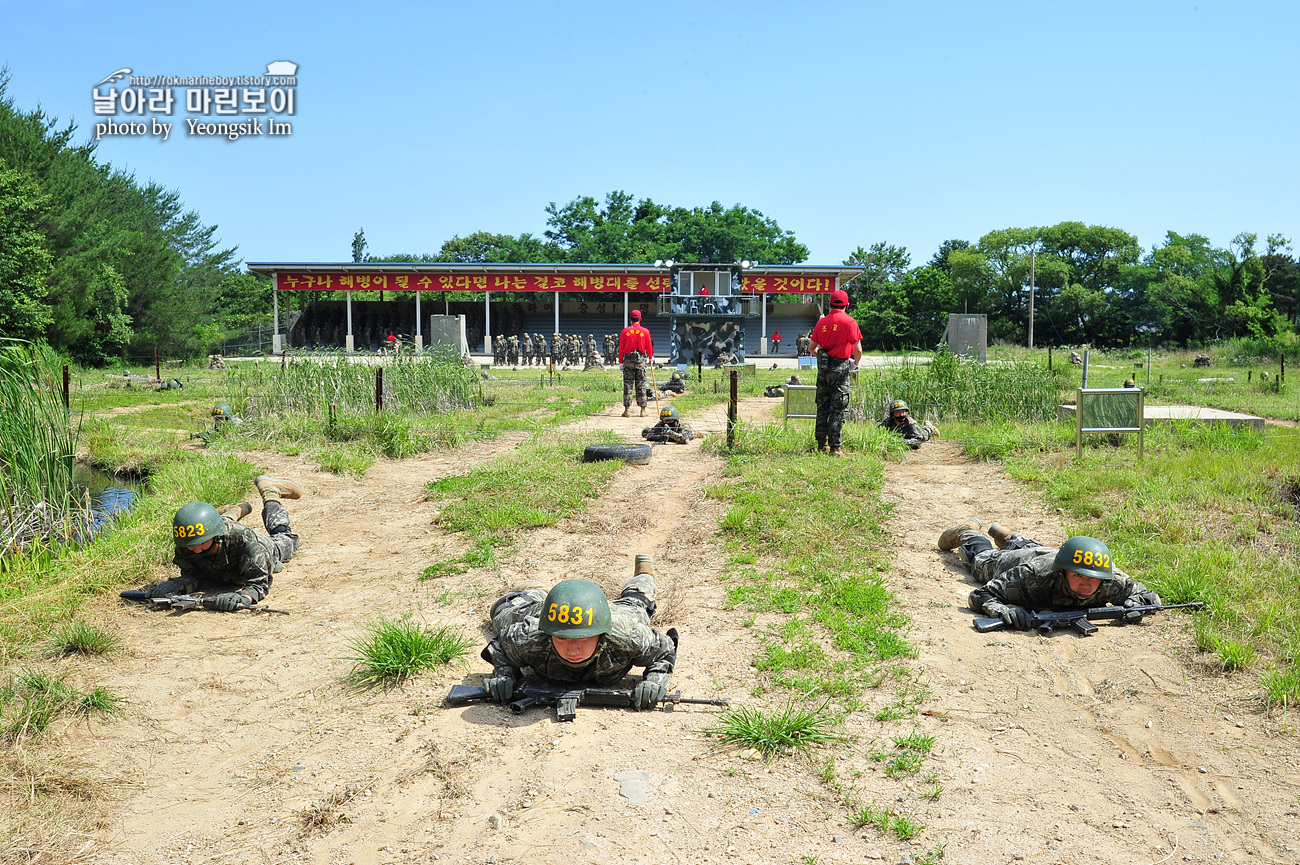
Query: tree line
point(101, 267)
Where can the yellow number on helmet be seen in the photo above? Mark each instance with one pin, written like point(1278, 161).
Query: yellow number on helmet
point(198, 530)
point(1078, 556)
point(1087, 557)
point(550, 614)
point(564, 614)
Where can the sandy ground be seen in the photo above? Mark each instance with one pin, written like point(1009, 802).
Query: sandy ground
point(241, 744)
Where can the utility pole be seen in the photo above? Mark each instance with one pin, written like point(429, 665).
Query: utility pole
point(1033, 257)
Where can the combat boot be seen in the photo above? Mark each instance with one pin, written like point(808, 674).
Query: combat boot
point(644, 565)
point(951, 536)
point(838, 452)
point(642, 411)
point(274, 489)
point(627, 411)
point(1000, 536)
point(823, 448)
point(236, 512)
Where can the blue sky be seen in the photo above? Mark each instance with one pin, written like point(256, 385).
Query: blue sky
point(848, 123)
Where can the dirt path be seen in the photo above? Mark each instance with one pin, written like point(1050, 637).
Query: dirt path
point(239, 734)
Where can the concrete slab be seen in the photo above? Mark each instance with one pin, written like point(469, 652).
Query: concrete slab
point(1155, 414)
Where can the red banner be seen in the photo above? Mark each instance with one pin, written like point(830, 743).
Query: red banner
point(788, 284)
point(542, 282)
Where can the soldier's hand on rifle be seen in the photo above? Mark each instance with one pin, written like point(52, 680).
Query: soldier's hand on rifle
point(501, 688)
point(1144, 599)
point(650, 690)
point(228, 602)
point(167, 587)
point(1016, 617)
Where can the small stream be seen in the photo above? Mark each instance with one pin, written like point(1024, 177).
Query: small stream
point(109, 496)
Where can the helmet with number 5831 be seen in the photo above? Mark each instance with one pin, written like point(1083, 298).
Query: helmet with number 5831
point(1086, 556)
point(575, 610)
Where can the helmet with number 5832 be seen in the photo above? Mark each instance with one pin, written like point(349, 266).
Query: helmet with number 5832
point(575, 610)
point(1086, 556)
point(195, 523)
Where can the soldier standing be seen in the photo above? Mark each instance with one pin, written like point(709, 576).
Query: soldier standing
point(635, 349)
point(1024, 575)
point(527, 354)
point(837, 340)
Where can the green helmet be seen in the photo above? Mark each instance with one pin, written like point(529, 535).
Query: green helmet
point(794, 379)
point(677, 376)
point(222, 411)
point(898, 405)
point(1085, 556)
point(1128, 382)
point(195, 523)
point(669, 413)
point(575, 610)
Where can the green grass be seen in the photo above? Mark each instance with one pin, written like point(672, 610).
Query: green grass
point(82, 638)
point(32, 700)
point(485, 552)
point(390, 651)
point(793, 560)
point(539, 483)
point(776, 732)
point(887, 821)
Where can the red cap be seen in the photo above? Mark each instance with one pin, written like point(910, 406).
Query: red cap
point(635, 315)
point(839, 298)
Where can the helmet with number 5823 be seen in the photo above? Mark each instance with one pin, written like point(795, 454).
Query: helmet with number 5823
point(1086, 556)
point(195, 523)
point(575, 610)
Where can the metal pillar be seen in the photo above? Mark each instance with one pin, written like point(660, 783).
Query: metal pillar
point(275, 313)
point(762, 298)
point(625, 310)
point(487, 323)
point(419, 335)
point(348, 345)
point(557, 315)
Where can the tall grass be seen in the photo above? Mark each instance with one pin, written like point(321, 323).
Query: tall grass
point(434, 383)
point(37, 451)
point(951, 387)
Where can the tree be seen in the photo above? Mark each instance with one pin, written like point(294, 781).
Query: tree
point(24, 260)
point(910, 312)
point(359, 245)
point(940, 259)
point(883, 264)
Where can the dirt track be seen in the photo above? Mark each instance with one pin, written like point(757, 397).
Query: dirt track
point(1116, 748)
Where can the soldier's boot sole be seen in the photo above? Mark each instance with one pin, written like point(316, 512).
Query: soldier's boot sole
point(1000, 536)
point(236, 512)
point(276, 488)
point(644, 565)
point(950, 537)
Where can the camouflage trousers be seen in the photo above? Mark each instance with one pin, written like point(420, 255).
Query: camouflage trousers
point(634, 379)
point(284, 543)
point(832, 397)
point(988, 563)
point(637, 598)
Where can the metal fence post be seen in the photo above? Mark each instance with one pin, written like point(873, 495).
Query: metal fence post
point(731, 411)
point(379, 388)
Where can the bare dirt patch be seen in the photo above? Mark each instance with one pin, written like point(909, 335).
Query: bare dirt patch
point(242, 745)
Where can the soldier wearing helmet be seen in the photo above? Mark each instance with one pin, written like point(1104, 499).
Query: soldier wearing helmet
point(899, 419)
point(574, 634)
point(222, 414)
point(1021, 574)
point(217, 554)
point(675, 384)
point(837, 342)
point(670, 428)
point(1130, 383)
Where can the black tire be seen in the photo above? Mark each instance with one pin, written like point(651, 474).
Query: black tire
point(634, 454)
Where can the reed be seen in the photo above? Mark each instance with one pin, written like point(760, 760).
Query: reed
point(38, 501)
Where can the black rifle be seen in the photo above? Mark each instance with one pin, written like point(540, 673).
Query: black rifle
point(184, 603)
point(1045, 621)
point(565, 698)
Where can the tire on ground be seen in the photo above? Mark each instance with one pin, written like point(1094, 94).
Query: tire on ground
point(632, 453)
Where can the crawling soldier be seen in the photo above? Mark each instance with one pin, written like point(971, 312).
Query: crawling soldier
point(900, 421)
point(573, 634)
point(669, 429)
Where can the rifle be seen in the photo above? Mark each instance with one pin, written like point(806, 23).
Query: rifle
point(565, 698)
point(1045, 621)
point(184, 603)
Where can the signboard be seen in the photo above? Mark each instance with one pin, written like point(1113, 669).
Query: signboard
point(801, 400)
point(1108, 410)
point(788, 284)
point(291, 281)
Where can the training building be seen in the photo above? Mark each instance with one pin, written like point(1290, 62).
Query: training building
point(700, 311)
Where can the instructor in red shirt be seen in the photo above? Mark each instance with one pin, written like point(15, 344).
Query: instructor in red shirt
point(837, 343)
point(635, 350)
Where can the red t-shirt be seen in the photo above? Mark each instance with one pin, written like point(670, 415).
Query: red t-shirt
point(635, 338)
point(837, 332)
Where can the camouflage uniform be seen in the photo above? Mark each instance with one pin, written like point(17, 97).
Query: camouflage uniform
point(526, 355)
point(913, 433)
point(631, 642)
point(1024, 575)
point(668, 431)
point(244, 560)
point(832, 397)
point(675, 384)
point(634, 386)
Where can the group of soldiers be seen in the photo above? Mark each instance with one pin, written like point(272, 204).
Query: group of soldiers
point(533, 349)
point(803, 345)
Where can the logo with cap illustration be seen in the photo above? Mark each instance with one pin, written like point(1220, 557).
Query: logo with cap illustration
point(282, 67)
